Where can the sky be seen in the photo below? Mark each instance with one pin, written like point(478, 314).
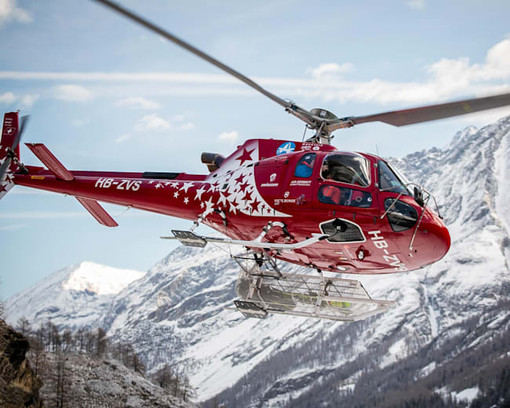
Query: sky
point(106, 94)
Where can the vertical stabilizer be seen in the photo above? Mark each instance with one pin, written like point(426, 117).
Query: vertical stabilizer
point(9, 151)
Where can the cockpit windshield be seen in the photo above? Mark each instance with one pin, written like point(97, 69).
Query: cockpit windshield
point(349, 168)
point(391, 179)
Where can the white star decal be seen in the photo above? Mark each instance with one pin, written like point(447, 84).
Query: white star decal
point(222, 200)
point(186, 200)
point(186, 186)
point(199, 192)
point(176, 194)
point(159, 185)
point(209, 204)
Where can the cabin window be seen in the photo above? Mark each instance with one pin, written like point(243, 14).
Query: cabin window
point(401, 216)
point(349, 168)
point(336, 195)
point(389, 179)
point(304, 168)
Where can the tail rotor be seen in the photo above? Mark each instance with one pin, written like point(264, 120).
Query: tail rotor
point(12, 130)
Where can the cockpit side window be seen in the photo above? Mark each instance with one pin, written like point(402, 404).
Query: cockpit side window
point(349, 168)
point(389, 181)
point(304, 168)
point(330, 194)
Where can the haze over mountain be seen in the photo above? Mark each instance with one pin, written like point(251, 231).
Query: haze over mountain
point(444, 315)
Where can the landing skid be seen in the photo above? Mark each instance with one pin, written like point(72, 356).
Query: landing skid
point(304, 295)
point(189, 238)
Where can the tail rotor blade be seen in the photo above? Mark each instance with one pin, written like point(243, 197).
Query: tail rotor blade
point(4, 167)
point(10, 154)
point(23, 121)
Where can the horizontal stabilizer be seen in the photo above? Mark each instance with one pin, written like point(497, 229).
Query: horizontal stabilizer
point(98, 212)
point(50, 161)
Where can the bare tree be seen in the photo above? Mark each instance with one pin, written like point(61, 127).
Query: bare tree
point(67, 340)
point(102, 342)
point(79, 339)
point(2, 308)
point(39, 356)
point(23, 326)
point(138, 364)
point(164, 377)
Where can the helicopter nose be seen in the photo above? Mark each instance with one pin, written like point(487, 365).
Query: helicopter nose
point(436, 240)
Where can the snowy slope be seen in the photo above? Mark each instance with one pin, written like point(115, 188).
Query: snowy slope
point(76, 296)
point(178, 310)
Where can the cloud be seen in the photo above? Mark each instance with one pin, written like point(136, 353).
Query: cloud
point(229, 136)
point(416, 4)
point(7, 98)
point(446, 79)
point(138, 102)
point(27, 101)
point(9, 11)
point(123, 138)
point(13, 227)
point(79, 122)
point(176, 77)
point(330, 71)
point(24, 101)
point(461, 72)
point(72, 93)
point(443, 80)
point(41, 214)
point(152, 123)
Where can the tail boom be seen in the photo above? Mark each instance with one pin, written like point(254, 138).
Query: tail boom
point(126, 189)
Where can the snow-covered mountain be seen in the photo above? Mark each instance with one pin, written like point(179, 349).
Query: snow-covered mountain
point(76, 296)
point(179, 310)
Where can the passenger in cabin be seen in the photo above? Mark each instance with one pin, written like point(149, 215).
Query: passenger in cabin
point(304, 168)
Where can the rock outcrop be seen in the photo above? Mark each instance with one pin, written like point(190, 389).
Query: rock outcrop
point(19, 386)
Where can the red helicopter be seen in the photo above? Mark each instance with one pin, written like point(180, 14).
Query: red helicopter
point(301, 202)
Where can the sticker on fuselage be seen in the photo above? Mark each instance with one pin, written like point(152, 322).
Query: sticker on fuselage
point(392, 260)
point(284, 148)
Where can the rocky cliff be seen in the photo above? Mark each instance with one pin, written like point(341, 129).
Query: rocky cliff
point(19, 387)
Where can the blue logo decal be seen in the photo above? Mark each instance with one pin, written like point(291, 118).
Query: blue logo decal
point(287, 147)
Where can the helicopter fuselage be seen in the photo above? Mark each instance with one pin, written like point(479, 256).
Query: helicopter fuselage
point(276, 191)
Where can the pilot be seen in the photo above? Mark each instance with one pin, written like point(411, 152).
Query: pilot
point(325, 171)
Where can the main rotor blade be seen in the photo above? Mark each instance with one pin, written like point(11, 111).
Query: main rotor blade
point(433, 112)
point(196, 51)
